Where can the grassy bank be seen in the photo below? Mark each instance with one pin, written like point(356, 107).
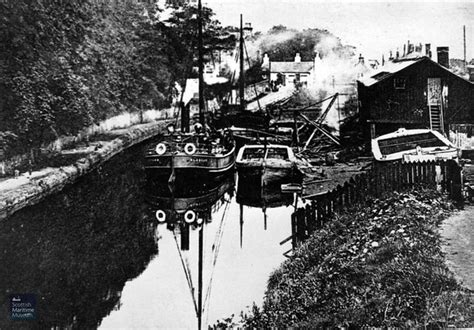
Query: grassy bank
point(379, 265)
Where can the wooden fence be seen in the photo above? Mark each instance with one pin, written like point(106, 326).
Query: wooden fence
point(380, 179)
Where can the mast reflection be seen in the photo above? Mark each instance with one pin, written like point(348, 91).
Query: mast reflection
point(254, 191)
point(188, 205)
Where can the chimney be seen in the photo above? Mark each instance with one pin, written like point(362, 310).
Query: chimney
point(428, 50)
point(443, 56)
point(390, 57)
point(248, 29)
point(266, 60)
point(297, 58)
point(397, 55)
point(404, 50)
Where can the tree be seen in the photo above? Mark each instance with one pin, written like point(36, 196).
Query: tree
point(66, 64)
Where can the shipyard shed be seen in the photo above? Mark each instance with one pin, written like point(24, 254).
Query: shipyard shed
point(414, 93)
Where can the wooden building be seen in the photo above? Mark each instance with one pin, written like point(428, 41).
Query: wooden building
point(414, 93)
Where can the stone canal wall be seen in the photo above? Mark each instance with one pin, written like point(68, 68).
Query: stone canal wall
point(17, 193)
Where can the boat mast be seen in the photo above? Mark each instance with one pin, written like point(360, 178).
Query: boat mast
point(201, 120)
point(201, 65)
point(241, 75)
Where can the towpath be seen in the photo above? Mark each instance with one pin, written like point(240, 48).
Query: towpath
point(458, 243)
point(28, 189)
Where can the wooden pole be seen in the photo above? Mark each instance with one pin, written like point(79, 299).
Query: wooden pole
point(241, 75)
point(464, 43)
point(201, 65)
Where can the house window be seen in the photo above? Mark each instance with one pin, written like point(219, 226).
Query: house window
point(399, 83)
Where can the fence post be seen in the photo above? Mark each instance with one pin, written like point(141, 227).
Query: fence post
point(455, 180)
point(309, 220)
point(443, 167)
point(431, 175)
point(396, 177)
point(340, 198)
point(294, 231)
point(319, 209)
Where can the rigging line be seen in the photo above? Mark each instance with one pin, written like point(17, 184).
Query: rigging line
point(217, 245)
point(187, 273)
point(254, 87)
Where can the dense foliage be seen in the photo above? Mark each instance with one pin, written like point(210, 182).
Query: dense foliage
point(67, 64)
point(379, 265)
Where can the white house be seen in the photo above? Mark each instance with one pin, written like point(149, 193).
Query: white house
point(296, 71)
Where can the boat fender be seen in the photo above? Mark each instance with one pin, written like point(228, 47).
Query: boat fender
point(160, 148)
point(190, 148)
point(189, 216)
point(160, 216)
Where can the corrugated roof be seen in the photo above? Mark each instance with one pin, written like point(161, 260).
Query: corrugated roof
point(297, 67)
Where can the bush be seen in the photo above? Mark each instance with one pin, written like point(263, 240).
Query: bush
point(377, 265)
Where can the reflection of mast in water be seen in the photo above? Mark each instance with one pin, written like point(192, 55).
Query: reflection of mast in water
point(241, 224)
point(188, 207)
point(253, 192)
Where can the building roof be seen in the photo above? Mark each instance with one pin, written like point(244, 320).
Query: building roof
point(391, 68)
point(296, 67)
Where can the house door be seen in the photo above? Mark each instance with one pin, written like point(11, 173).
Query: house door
point(435, 105)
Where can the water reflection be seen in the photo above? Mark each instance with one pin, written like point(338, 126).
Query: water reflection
point(77, 249)
point(202, 270)
point(188, 204)
point(185, 206)
point(91, 255)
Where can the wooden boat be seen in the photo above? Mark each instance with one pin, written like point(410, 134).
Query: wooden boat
point(187, 153)
point(272, 162)
point(411, 145)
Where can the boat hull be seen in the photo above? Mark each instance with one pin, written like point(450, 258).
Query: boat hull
point(196, 165)
point(268, 174)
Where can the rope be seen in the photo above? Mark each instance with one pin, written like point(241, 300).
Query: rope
point(187, 272)
point(217, 244)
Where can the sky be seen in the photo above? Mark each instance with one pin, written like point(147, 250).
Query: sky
point(374, 27)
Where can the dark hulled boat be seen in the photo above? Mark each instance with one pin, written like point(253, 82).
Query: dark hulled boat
point(191, 153)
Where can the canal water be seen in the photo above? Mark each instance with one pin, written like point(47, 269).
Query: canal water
point(111, 251)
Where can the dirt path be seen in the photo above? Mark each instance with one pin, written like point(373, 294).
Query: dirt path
point(26, 189)
point(458, 237)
